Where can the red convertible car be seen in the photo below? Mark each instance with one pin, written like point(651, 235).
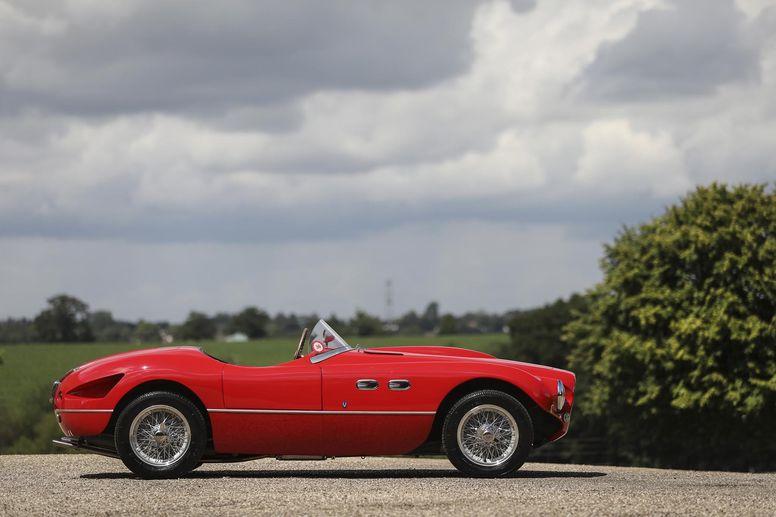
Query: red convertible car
point(165, 411)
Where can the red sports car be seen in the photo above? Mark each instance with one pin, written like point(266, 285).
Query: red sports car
point(165, 411)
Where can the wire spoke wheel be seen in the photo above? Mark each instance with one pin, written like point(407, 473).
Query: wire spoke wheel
point(488, 435)
point(160, 435)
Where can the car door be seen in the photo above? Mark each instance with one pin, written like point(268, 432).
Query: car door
point(273, 410)
point(374, 403)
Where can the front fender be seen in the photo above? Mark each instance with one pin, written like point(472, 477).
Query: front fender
point(84, 412)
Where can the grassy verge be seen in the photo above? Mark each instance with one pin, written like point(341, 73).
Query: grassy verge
point(28, 370)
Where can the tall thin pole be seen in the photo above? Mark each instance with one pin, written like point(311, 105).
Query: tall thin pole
point(388, 301)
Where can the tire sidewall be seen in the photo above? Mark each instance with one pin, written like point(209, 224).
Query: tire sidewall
point(198, 439)
point(505, 402)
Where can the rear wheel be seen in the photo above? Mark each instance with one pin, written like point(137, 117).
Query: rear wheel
point(487, 434)
point(161, 435)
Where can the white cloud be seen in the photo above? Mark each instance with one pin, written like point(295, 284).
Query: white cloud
point(617, 159)
point(461, 140)
point(508, 168)
point(753, 8)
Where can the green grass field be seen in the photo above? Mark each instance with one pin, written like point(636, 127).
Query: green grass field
point(26, 425)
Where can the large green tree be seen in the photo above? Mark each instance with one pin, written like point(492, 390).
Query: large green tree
point(65, 320)
point(448, 325)
point(148, 332)
point(364, 324)
point(197, 326)
point(251, 321)
point(676, 351)
point(430, 317)
point(106, 328)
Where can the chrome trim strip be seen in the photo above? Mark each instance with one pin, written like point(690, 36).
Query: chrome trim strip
point(60, 411)
point(317, 412)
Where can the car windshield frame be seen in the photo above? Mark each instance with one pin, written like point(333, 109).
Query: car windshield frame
point(320, 331)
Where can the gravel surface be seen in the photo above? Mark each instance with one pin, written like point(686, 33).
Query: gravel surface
point(85, 484)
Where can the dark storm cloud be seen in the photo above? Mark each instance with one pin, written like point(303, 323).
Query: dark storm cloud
point(190, 56)
point(691, 47)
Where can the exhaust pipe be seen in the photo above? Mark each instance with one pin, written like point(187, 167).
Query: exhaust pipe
point(72, 443)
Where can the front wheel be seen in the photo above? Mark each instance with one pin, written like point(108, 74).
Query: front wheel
point(161, 435)
point(487, 434)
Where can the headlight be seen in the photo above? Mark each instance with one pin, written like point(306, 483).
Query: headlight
point(54, 389)
point(561, 396)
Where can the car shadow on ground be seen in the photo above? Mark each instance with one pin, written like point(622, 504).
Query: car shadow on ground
point(355, 474)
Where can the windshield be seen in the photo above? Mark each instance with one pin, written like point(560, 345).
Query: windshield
point(323, 338)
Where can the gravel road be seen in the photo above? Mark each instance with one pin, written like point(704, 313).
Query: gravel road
point(85, 484)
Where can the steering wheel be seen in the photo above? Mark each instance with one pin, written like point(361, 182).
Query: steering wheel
point(300, 348)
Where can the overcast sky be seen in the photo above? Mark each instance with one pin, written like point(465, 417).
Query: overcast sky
point(158, 157)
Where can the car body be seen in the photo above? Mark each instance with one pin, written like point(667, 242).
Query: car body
point(334, 401)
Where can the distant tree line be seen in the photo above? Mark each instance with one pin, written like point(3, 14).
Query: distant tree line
point(66, 319)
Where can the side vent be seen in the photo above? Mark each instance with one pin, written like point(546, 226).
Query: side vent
point(96, 389)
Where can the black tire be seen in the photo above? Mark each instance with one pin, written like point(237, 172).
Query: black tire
point(185, 419)
point(488, 403)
